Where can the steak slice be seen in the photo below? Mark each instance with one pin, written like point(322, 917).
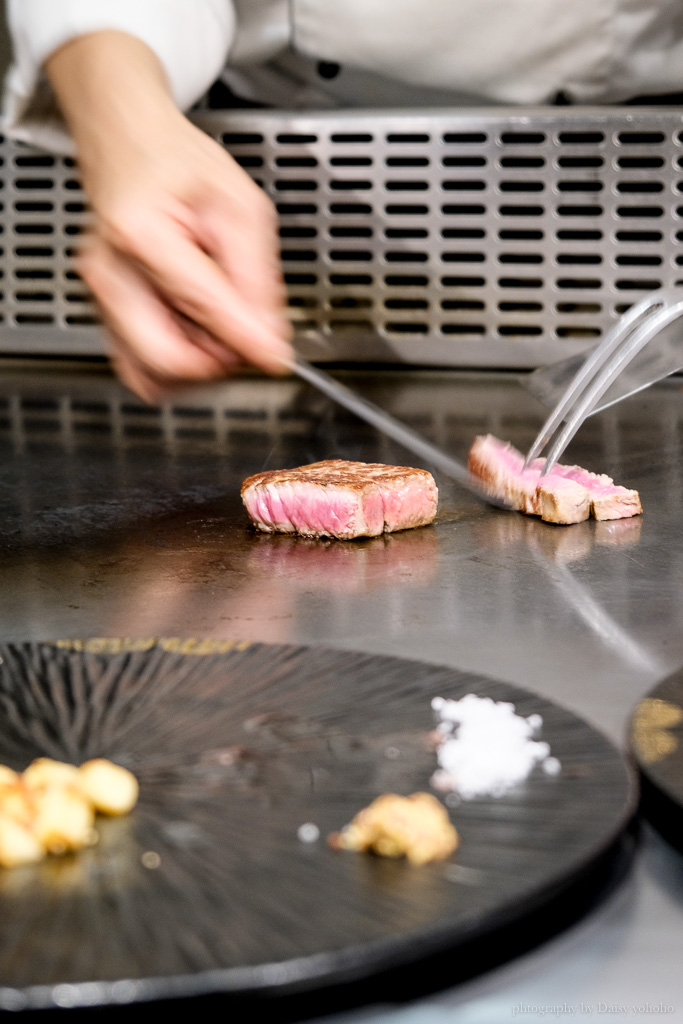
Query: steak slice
point(563, 501)
point(608, 500)
point(336, 498)
point(500, 467)
point(568, 494)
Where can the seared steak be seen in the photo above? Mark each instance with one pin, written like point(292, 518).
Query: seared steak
point(340, 499)
point(608, 500)
point(568, 494)
point(558, 500)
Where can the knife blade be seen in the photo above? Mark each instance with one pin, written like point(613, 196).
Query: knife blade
point(391, 427)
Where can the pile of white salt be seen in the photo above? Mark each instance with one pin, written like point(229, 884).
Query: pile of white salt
point(485, 748)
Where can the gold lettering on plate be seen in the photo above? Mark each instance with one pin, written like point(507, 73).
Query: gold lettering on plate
point(173, 644)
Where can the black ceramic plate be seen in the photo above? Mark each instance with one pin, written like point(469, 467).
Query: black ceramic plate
point(656, 733)
point(206, 886)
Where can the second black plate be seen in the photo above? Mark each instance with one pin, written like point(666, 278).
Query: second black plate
point(656, 734)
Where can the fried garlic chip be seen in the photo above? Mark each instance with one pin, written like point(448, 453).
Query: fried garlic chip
point(416, 827)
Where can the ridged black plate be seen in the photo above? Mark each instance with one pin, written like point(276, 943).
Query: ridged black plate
point(206, 886)
point(656, 733)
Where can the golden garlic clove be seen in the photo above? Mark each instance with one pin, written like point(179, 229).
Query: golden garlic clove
point(8, 777)
point(111, 788)
point(64, 820)
point(17, 801)
point(44, 771)
point(18, 845)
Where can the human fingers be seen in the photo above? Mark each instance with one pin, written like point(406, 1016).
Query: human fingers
point(144, 382)
point(133, 375)
point(157, 341)
point(239, 229)
point(138, 378)
point(167, 252)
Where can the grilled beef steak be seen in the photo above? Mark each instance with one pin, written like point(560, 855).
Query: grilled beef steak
point(568, 494)
point(340, 499)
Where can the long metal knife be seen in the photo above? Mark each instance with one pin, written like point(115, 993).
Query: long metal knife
point(391, 427)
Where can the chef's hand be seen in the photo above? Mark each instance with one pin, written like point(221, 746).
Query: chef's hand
point(183, 254)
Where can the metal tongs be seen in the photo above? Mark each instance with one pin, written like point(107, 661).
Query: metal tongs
point(637, 327)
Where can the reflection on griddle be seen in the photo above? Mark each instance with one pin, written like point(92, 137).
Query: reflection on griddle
point(554, 549)
point(617, 533)
point(411, 556)
point(558, 544)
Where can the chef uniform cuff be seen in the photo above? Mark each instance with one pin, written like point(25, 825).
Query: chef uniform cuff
point(191, 38)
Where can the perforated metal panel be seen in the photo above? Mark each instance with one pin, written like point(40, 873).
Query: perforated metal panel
point(43, 210)
point(476, 238)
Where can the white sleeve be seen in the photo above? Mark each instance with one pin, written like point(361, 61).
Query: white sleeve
point(191, 38)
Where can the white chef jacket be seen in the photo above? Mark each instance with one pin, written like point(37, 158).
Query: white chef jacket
point(322, 53)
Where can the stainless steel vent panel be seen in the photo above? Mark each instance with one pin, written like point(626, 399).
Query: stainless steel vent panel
point(473, 238)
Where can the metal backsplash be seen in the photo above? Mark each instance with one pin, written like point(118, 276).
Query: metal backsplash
point(480, 238)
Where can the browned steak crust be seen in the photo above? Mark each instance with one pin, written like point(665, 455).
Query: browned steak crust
point(353, 475)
